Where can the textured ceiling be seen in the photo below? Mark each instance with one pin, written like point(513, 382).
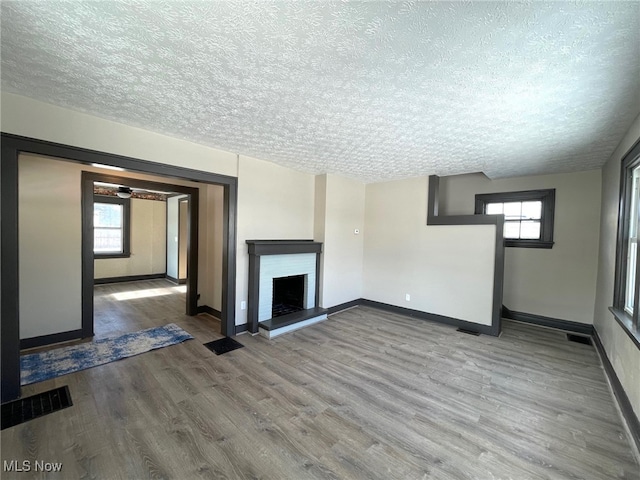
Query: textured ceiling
point(366, 90)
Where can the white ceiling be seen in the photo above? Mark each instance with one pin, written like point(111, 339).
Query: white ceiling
point(371, 91)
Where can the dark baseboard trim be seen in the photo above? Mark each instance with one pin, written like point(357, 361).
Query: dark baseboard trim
point(343, 306)
point(177, 281)
point(241, 328)
point(618, 391)
point(433, 317)
point(44, 340)
point(209, 310)
point(475, 327)
point(569, 326)
point(130, 278)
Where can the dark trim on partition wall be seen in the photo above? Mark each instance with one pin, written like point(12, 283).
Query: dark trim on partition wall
point(497, 220)
point(12, 146)
point(129, 278)
point(567, 325)
point(241, 328)
point(43, 340)
point(618, 391)
point(88, 180)
point(9, 295)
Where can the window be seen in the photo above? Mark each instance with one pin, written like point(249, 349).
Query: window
point(627, 284)
point(528, 216)
point(111, 227)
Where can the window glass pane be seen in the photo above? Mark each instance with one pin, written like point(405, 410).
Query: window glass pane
point(632, 258)
point(532, 210)
point(511, 229)
point(530, 230)
point(633, 219)
point(107, 240)
point(632, 251)
point(513, 210)
point(107, 215)
point(494, 208)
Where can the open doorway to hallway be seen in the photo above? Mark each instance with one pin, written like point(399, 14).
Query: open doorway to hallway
point(141, 256)
point(102, 252)
point(48, 278)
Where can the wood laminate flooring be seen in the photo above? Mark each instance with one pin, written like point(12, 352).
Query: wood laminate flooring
point(364, 395)
point(130, 306)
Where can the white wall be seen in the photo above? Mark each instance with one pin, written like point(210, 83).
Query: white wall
point(447, 270)
point(622, 352)
point(50, 247)
point(559, 282)
point(148, 243)
point(339, 211)
point(274, 203)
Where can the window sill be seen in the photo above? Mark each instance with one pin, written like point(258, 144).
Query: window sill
point(528, 244)
point(625, 321)
point(111, 255)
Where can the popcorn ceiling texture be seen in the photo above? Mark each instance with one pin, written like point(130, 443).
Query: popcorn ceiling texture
point(371, 91)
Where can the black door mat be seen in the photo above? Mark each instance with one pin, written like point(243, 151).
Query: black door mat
point(470, 332)
point(579, 339)
point(224, 345)
point(25, 409)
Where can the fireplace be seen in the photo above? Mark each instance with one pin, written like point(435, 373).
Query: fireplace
point(288, 295)
point(284, 287)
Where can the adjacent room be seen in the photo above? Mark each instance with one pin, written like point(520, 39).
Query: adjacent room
point(320, 240)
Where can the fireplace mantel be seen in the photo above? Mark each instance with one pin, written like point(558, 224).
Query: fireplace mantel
point(282, 247)
point(259, 248)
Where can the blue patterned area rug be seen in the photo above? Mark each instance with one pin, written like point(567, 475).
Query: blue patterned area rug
point(36, 367)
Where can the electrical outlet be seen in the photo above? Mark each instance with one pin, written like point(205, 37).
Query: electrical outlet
point(407, 297)
point(243, 305)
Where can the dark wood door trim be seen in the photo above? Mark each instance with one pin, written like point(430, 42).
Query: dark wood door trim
point(12, 146)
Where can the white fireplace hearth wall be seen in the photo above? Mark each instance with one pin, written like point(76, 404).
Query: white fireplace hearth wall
point(277, 266)
point(272, 259)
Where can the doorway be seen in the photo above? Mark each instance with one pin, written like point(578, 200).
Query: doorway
point(141, 251)
point(12, 147)
point(89, 179)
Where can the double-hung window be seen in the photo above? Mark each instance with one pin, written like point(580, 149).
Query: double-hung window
point(627, 275)
point(111, 227)
point(528, 216)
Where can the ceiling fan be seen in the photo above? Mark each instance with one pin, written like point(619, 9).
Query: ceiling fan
point(125, 192)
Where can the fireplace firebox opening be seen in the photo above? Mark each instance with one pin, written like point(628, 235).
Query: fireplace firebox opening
point(288, 295)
